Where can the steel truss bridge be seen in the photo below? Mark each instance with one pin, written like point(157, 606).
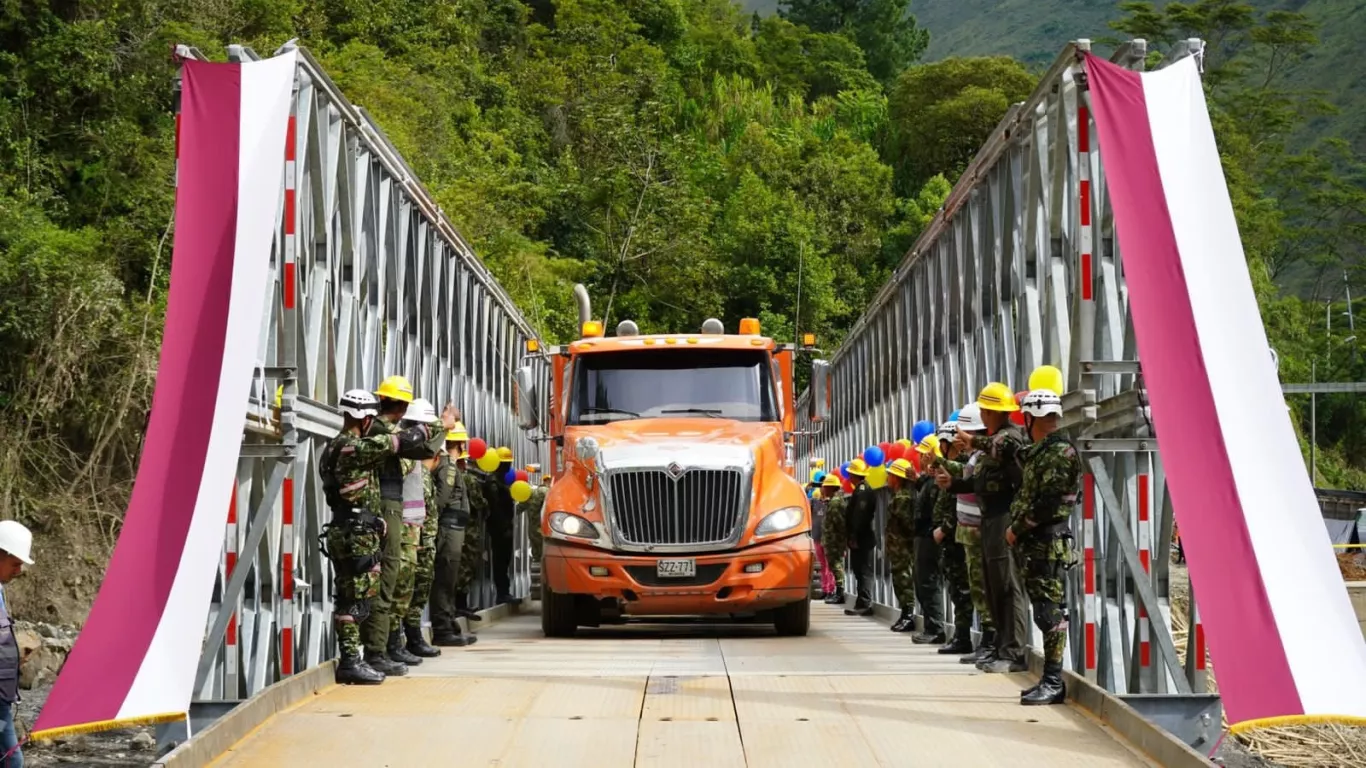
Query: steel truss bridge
point(1018, 269)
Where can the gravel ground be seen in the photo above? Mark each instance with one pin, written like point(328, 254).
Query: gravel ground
point(123, 748)
point(1233, 754)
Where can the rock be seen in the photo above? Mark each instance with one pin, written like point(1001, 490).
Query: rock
point(47, 630)
point(143, 741)
point(44, 663)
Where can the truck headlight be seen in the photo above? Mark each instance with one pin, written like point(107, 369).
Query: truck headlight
point(572, 525)
point(784, 519)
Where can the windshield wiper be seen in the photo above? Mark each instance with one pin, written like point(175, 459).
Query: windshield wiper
point(715, 414)
point(596, 409)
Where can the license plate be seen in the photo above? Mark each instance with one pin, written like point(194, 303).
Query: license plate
point(677, 569)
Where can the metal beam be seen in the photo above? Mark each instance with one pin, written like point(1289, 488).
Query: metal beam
point(1324, 388)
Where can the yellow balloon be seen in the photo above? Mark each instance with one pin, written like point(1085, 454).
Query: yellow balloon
point(877, 477)
point(520, 491)
point(488, 462)
point(1046, 377)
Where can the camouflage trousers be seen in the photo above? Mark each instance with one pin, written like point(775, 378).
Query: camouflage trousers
point(375, 629)
point(900, 559)
point(1043, 563)
point(423, 573)
point(970, 537)
point(953, 560)
point(835, 539)
point(407, 575)
point(533, 532)
point(471, 555)
point(355, 553)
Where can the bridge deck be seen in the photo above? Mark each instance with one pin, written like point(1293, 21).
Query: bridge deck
point(852, 693)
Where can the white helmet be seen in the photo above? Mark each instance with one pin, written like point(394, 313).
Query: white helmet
point(970, 418)
point(947, 430)
point(420, 411)
point(16, 540)
point(1042, 402)
point(358, 403)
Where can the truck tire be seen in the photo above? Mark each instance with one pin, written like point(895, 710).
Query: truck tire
point(793, 619)
point(557, 613)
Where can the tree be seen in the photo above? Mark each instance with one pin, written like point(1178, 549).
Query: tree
point(942, 112)
point(885, 29)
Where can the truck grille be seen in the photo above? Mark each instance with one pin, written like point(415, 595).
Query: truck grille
point(702, 506)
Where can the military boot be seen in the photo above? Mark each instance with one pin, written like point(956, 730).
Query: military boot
point(905, 622)
point(380, 662)
point(417, 644)
point(925, 638)
point(985, 648)
point(958, 645)
point(836, 597)
point(1050, 690)
point(398, 653)
point(861, 608)
point(462, 608)
point(352, 670)
point(454, 639)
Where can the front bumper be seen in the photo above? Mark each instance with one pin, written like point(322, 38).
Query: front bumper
point(721, 585)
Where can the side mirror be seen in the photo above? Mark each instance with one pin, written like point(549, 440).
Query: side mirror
point(818, 408)
point(527, 417)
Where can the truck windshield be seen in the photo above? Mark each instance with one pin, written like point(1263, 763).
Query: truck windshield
point(726, 384)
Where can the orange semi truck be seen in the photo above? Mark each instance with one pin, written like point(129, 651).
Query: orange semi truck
point(675, 489)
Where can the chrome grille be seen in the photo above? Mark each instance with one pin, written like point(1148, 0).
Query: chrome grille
point(702, 506)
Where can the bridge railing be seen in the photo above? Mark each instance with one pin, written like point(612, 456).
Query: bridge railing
point(369, 280)
point(1021, 268)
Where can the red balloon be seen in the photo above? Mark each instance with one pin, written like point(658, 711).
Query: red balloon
point(1017, 417)
point(1019, 397)
point(914, 458)
point(886, 449)
point(895, 451)
point(523, 476)
point(478, 448)
point(848, 486)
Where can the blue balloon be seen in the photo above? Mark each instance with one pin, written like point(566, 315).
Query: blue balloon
point(872, 456)
point(920, 430)
point(510, 477)
point(820, 476)
point(844, 470)
point(953, 416)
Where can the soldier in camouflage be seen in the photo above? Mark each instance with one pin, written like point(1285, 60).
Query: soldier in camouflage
point(994, 481)
point(969, 531)
point(834, 533)
point(898, 540)
point(929, 591)
point(394, 393)
point(453, 517)
point(353, 539)
point(861, 520)
point(952, 556)
point(531, 510)
point(473, 554)
point(414, 516)
point(1039, 533)
point(425, 572)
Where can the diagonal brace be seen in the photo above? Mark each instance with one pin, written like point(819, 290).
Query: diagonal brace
point(1142, 585)
point(238, 580)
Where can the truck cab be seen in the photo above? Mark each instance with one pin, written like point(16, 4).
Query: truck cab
point(675, 488)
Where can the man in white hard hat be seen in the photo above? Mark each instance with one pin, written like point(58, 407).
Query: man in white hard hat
point(16, 545)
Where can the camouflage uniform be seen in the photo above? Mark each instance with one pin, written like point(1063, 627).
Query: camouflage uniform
point(353, 540)
point(426, 555)
point(472, 555)
point(375, 629)
point(1038, 518)
point(995, 480)
point(900, 555)
point(954, 564)
point(532, 508)
point(835, 536)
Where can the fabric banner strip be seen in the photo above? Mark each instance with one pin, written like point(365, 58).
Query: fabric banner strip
point(1249, 520)
point(135, 659)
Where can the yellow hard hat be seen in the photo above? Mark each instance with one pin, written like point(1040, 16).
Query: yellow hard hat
point(930, 444)
point(396, 388)
point(532, 469)
point(458, 434)
point(504, 454)
point(546, 478)
point(464, 455)
point(997, 397)
point(901, 468)
point(858, 467)
point(831, 481)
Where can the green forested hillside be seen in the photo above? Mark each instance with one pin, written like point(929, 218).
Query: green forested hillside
point(678, 157)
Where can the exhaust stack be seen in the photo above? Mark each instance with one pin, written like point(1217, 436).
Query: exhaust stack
point(585, 306)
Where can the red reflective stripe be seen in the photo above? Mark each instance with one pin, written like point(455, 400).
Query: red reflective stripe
point(1084, 193)
point(288, 287)
point(1083, 129)
point(1090, 645)
point(287, 651)
point(288, 504)
point(291, 134)
point(289, 211)
point(232, 629)
point(1199, 645)
point(1086, 290)
point(1145, 655)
